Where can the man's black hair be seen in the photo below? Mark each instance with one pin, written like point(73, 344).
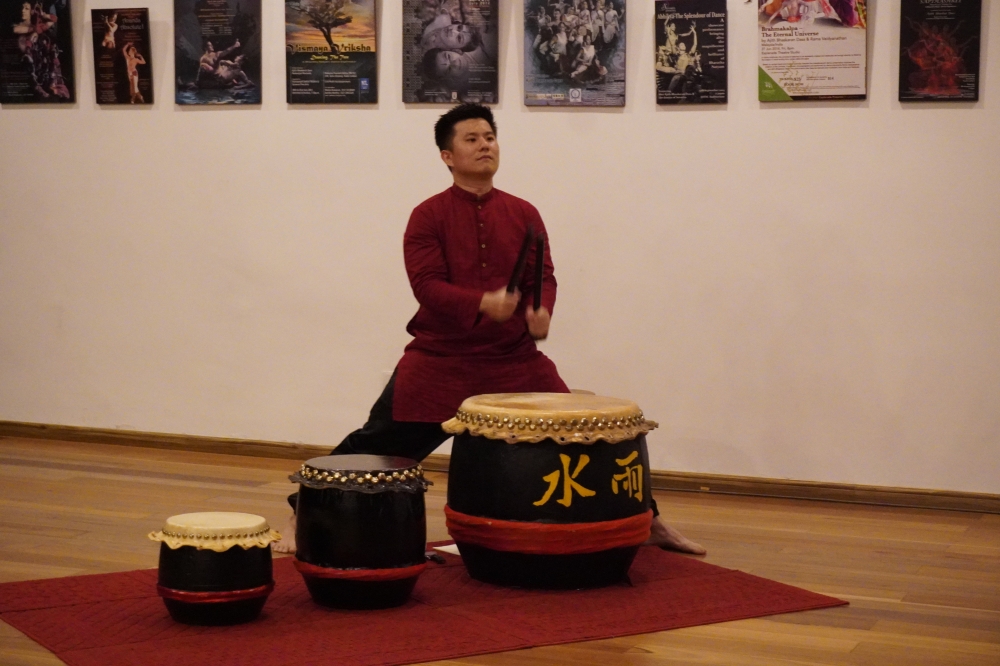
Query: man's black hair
point(444, 128)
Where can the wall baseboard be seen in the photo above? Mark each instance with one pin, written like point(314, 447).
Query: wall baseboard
point(918, 498)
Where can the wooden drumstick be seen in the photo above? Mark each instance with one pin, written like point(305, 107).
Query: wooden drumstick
point(539, 268)
point(522, 258)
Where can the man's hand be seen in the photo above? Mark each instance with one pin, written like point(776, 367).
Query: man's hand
point(538, 322)
point(499, 305)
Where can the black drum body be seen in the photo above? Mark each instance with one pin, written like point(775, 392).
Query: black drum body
point(548, 514)
point(361, 529)
point(206, 587)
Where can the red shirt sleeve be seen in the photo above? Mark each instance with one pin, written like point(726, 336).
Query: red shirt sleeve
point(423, 253)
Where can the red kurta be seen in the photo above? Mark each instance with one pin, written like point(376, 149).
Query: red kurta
point(457, 246)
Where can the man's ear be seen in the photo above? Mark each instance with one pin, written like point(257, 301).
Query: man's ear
point(448, 158)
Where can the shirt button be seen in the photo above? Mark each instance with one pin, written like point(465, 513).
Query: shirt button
point(479, 207)
point(484, 265)
point(483, 246)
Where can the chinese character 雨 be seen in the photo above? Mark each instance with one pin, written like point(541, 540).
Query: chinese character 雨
point(631, 478)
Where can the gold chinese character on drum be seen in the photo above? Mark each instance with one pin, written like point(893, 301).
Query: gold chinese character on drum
point(548, 489)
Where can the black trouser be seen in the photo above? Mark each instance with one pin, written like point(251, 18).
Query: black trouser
point(381, 436)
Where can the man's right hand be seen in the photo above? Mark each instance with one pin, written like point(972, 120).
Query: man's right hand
point(499, 305)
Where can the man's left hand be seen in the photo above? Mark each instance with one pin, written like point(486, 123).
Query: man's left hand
point(538, 322)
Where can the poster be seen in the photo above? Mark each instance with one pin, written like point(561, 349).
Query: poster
point(940, 42)
point(330, 52)
point(122, 56)
point(574, 53)
point(450, 51)
point(217, 49)
point(691, 52)
point(36, 52)
point(812, 49)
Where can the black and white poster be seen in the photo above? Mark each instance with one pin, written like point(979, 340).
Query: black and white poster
point(574, 53)
point(36, 52)
point(217, 51)
point(122, 56)
point(940, 42)
point(330, 52)
point(450, 51)
point(691, 52)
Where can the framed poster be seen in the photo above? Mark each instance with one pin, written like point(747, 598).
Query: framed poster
point(691, 52)
point(812, 49)
point(122, 56)
point(574, 53)
point(217, 51)
point(450, 51)
point(940, 44)
point(330, 52)
point(36, 52)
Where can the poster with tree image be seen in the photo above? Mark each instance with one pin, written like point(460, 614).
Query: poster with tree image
point(330, 52)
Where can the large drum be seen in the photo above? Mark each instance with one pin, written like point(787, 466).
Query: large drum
point(548, 490)
point(215, 568)
point(360, 530)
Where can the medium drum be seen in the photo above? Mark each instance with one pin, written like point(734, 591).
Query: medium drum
point(215, 568)
point(360, 529)
point(548, 490)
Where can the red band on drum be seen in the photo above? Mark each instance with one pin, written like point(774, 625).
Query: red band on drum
point(368, 575)
point(214, 597)
point(548, 538)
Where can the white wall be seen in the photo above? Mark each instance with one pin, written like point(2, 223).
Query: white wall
point(809, 291)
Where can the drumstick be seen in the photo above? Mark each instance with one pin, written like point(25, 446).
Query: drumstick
point(522, 257)
point(539, 268)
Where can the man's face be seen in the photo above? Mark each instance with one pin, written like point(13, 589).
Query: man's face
point(474, 149)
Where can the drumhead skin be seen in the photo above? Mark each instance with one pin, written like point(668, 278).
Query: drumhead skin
point(216, 530)
point(561, 417)
point(361, 463)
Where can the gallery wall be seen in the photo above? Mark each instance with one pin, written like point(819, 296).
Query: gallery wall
point(806, 291)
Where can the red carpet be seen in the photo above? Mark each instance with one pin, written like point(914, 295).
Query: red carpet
point(117, 619)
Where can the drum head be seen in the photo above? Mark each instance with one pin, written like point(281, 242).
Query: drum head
point(361, 463)
point(216, 530)
point(570, 404)
point(215, 522)
point(563, 417)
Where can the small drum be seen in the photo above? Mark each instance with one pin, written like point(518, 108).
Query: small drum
point(215, 568)
point(548, 490)
point(360, 529)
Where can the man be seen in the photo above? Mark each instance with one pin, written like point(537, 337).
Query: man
point(132, 61)
point(469, 335)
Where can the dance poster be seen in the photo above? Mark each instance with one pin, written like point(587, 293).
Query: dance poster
point(691, 52)
point(330, 52)
point(217, 51)
point(123, 70)
point(36, 52)
point(812, 49)
point(940, 41)
point(450, 51)
point(574, 53)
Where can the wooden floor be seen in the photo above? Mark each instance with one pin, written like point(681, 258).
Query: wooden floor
point(924, 586)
